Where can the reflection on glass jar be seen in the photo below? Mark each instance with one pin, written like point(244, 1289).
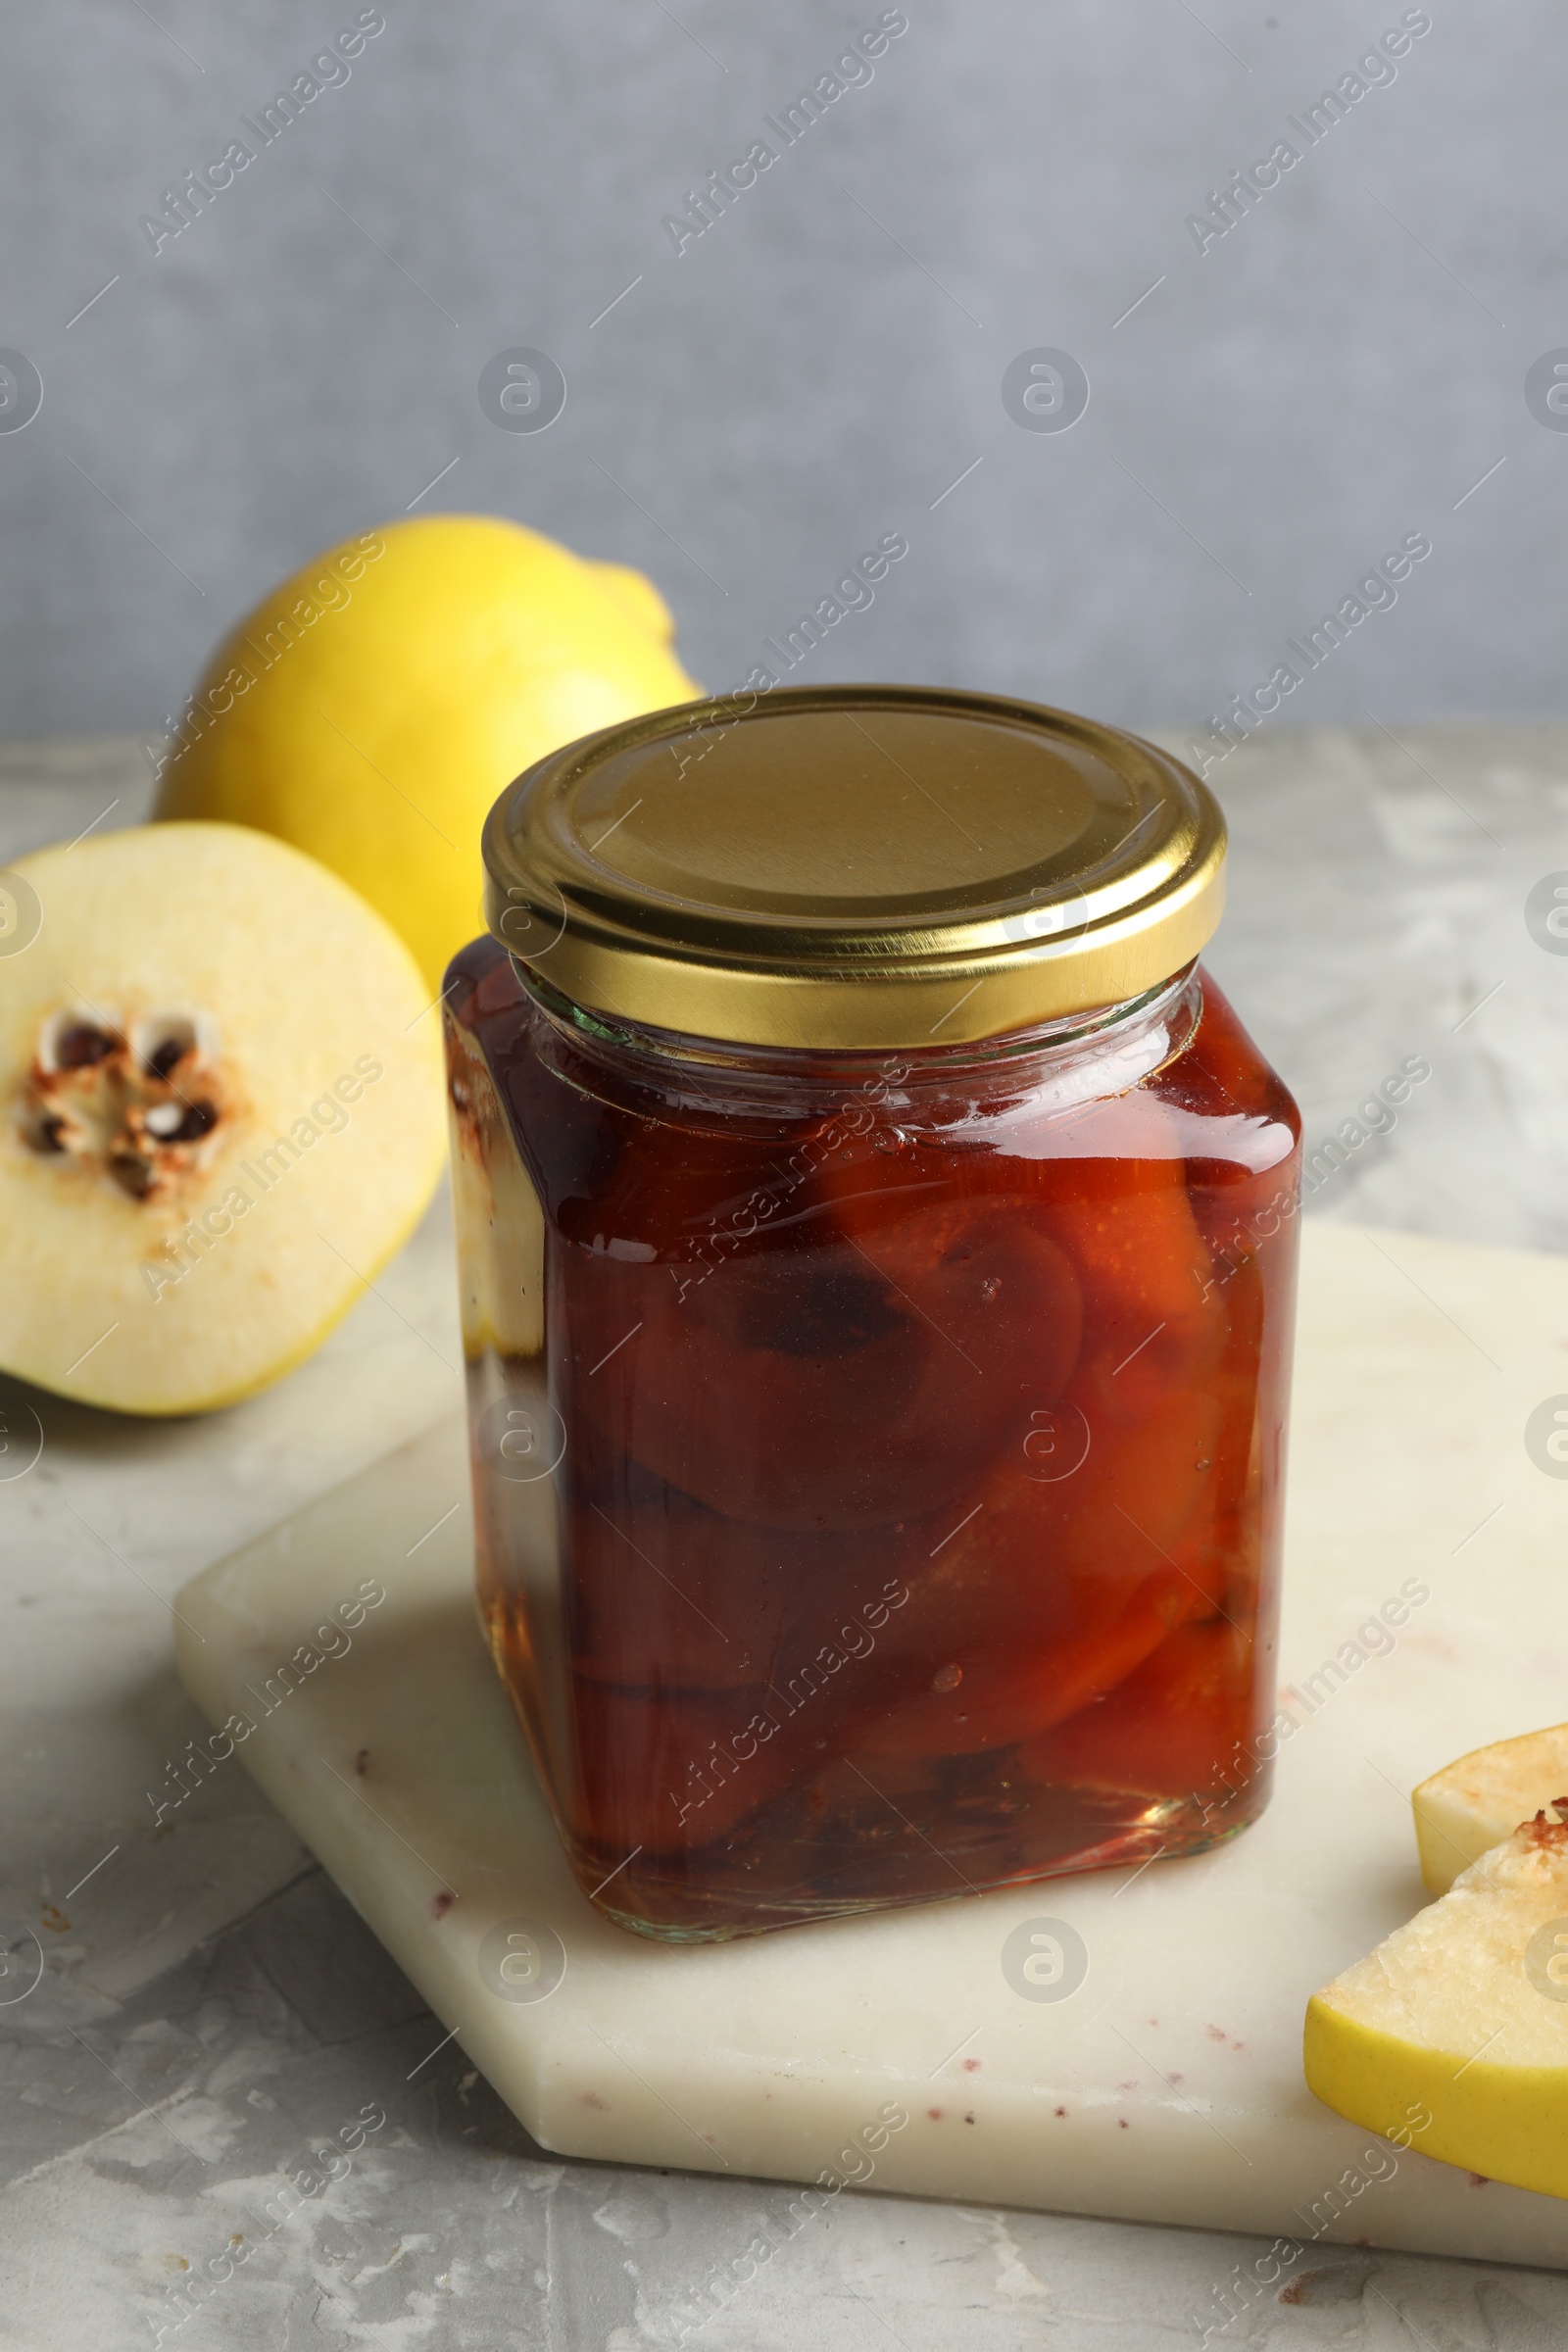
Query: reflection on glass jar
point(878, 1412)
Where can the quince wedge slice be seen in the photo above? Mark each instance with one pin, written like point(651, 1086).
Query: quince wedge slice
point(1460, 2020)
point(1471, 1804)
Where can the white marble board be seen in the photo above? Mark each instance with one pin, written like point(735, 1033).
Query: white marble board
point(1168, 2087)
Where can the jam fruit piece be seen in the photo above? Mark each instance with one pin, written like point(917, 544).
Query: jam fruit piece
point(812, 1383)
point(672, 1774)
point(1119, 1207)
point(1175, 1728)
point(662, 1588)
point(1005, 1696)
point(496, 1211)
point(1077, 1579)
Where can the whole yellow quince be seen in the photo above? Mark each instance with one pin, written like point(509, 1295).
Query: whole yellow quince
point(374, 707)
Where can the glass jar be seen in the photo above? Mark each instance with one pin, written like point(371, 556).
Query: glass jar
point(877, 1253)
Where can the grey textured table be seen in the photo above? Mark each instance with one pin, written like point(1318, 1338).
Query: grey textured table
point(212, 2011)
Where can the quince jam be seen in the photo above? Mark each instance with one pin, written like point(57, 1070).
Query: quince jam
point(878, 1456)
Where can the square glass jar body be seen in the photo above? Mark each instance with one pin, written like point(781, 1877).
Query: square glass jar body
point(878, 1458)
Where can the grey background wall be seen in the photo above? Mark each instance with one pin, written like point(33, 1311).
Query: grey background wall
point(817, 367)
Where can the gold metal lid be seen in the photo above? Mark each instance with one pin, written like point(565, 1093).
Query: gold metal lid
point(854, 867)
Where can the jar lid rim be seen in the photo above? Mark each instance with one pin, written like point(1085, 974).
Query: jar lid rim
point(854, 865)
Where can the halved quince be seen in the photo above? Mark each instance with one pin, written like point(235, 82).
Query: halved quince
point(1471, 1806)
point(221, 1113)
point(1452, 2037)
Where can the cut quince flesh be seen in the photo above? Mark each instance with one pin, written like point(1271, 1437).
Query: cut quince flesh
point(501, 1276)
point(1452, 2037)
point(1471, 1805)
point(221, 1113)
